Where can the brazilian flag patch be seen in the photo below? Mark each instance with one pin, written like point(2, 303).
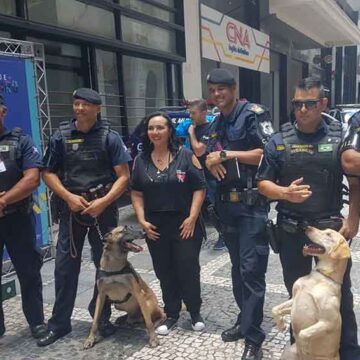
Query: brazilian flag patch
point(74, 141)
point(256, 109)
point(325, 147)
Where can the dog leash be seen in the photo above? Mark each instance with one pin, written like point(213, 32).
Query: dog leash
point(73, 250)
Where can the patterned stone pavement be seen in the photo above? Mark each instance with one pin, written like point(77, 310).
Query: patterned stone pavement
point(219, 311)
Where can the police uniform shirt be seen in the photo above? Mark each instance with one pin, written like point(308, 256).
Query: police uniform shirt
point(171, 189)
point(53, 158)
point(352, 135)
point(28, 156)
point(201, 132)
point(274, 154)
point(247, 127)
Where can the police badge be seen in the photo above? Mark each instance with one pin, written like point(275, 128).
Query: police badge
point(75, 147)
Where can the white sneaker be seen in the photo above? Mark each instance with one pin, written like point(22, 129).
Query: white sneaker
point(197, 323)
point(165, 328)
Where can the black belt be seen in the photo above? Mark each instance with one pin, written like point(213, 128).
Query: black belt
point(232, 196)
point(292, 225)
point(248, 196)
point(24, 206)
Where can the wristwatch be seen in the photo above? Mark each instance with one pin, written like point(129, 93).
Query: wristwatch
point(223, 156)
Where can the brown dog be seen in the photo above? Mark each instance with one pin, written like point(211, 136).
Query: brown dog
point(118, 281)
point(315, 303)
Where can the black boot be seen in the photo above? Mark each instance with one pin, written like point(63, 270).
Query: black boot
point(232, 334)
point(2, 322)
point(252, 352)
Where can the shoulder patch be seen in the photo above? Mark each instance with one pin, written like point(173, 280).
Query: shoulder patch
point(257, 109)
point(196, 162)
point(280, 147)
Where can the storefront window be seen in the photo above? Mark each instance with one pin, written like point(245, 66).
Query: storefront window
point(145, 88)
point(229, 8)
point(7, 7)
point(175, 84)
point(74, 15)
point(108, 81)
point(5, 34)
point(166, 2)
point(64, 74)
point(148, 9)
point(137, 32)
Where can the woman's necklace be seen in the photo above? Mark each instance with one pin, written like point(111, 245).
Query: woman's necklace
point(161, 162)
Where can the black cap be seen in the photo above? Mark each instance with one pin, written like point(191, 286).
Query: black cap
point(88, 95)
point(220, 76)
point(2, 100)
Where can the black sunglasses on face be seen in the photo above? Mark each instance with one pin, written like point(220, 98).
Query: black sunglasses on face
point(309, 104)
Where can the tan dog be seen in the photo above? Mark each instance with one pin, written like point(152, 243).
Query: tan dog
point(315, 303)
point(118, 281)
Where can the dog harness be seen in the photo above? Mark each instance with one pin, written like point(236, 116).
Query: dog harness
point(127, 269)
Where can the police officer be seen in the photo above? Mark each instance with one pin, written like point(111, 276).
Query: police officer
point(86, 167)
point(237, 137)
point(20, 164)
point(198, 136)
point(350, 157)
point(301, 169)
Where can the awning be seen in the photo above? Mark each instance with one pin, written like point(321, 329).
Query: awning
point(323, 21)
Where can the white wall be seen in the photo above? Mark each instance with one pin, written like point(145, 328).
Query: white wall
point(192, 66)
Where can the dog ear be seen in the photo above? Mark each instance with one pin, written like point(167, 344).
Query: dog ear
point(341, 252)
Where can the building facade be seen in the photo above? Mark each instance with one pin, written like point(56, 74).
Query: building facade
point(145, 54)
point(131, 51)
point(306, 38)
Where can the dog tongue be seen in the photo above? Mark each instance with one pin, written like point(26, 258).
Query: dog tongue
point(312, 250)
point(134, 247)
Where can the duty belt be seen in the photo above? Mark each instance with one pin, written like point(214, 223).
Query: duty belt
point(96, 192)
point(246, 196)
point(24, 206)
point(292, 225)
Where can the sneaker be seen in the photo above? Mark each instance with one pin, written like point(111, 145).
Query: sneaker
point(219, 245)
point(165, 328)
point(197, 322)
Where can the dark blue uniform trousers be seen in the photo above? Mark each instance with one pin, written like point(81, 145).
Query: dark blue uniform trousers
point(295, 265)
point(244, 232)
point(67, 268)
point(17, 233)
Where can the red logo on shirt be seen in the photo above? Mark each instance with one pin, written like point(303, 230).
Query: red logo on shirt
point(181, 175)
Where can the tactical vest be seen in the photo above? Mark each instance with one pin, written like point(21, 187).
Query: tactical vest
point(9, 153)
point(86, 161)
point(237, 141)
point(319, 164)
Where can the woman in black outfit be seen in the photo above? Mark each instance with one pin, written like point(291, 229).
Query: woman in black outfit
point(168, 188)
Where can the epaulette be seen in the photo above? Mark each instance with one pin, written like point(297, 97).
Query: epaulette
point(16, 132)
point(257, 109)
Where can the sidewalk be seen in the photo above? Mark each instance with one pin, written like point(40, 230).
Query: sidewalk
point(219, 311)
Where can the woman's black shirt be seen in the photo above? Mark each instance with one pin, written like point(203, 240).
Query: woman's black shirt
point(171, 189)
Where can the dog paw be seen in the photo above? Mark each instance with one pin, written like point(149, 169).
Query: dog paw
point(280, 323)
point(89, 342)
point(154, 342)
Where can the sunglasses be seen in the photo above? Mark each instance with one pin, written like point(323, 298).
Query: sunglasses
point(309, 104)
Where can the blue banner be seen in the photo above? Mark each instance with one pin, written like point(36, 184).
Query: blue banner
point(18, 87)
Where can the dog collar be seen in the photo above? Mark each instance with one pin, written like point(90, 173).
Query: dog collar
point(127, 269)
point(328, 277)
